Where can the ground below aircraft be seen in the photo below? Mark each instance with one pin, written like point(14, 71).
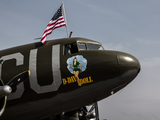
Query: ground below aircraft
point(64, 76)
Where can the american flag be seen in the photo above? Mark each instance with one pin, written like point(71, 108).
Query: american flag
point(56, 22)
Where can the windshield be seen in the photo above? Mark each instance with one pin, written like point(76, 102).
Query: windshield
point(92, 46)
point(82, 46)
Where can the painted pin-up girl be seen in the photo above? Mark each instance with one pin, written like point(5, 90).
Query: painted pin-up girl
point(76, 65)
point(76, 69)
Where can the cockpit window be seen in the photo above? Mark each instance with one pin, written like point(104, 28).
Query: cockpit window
point(70, 48)
point(92, 46)
point(82, 46)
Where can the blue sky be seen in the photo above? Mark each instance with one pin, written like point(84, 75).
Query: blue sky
point(126, 25)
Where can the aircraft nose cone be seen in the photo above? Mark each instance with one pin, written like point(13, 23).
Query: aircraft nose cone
point(129, 66)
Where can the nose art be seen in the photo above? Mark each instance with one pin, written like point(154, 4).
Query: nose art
point(129, 66)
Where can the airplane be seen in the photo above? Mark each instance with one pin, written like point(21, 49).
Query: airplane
point(60, 78)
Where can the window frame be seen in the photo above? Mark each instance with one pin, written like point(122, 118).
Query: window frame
point(94, 44)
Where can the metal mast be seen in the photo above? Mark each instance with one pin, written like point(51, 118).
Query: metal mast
point(65, 18)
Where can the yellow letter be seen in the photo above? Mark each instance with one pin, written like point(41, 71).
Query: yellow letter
point(73, 79)
point(64, 81)
point(81, 81)
point(84, 80)
point(87, 81)
point(69, 80)
point(90, 79)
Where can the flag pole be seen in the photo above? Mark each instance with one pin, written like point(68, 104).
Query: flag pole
point(65, 18)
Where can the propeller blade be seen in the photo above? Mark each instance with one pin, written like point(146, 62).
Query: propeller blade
point(18, 79)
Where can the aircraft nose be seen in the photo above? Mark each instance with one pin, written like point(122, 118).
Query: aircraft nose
point(129, 66)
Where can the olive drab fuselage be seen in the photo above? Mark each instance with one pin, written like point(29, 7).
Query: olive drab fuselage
point(52, 86)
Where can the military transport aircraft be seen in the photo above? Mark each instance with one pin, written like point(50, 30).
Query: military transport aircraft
point(63, 76)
